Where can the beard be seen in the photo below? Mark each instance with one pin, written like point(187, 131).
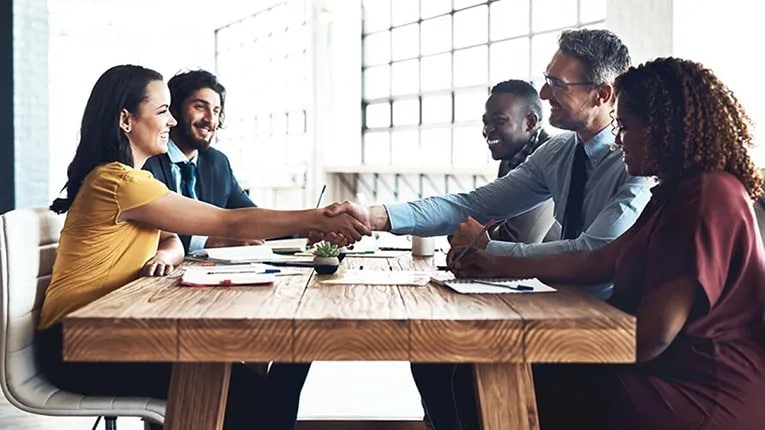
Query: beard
point(188, 138)
point(570, 119)
point(565, 121)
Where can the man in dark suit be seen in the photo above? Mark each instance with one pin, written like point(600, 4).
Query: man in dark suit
point(198, 171)
point(191, 166)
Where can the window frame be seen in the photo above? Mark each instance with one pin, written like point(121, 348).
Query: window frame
point(452, 91)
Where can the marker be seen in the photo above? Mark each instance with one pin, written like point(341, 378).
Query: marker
point(321, 194)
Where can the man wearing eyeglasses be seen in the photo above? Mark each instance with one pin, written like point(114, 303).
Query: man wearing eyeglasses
point(595, 199)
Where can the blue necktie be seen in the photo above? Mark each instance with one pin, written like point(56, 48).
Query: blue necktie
point(188, 179)
point(573, 219)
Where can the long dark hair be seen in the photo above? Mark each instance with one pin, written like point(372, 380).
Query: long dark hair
point(101, 139)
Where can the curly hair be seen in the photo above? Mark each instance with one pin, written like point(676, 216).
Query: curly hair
point(694, 121)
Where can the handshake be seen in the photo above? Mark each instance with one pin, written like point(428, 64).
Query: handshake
point(343, 223)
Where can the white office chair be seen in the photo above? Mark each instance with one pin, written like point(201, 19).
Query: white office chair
point(28, 242)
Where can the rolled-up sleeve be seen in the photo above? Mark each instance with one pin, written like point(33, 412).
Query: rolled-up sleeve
point(617, 216)
point(521, 190)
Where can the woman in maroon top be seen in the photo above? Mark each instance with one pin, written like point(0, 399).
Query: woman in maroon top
point(691, 269)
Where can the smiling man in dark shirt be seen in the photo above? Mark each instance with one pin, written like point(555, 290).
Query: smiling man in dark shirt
point(512, 126)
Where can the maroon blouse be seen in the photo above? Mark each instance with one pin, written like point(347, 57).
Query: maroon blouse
point(712, 376)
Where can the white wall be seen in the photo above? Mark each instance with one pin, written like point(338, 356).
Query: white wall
point(89, 36)
point(724, 36)
point(337, 86)
point(727, 37)
point(644, 25)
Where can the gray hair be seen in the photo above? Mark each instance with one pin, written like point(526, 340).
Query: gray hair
point(604, 55)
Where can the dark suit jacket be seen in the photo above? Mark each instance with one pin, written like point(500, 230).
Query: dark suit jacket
point(216, 183)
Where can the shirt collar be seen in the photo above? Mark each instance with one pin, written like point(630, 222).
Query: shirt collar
point(598, 146)
point(526, 150)
point(176, 155)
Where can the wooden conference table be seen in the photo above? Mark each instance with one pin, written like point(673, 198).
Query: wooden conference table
point(203, 330)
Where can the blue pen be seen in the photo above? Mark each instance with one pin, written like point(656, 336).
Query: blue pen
point(257, 272)
point(512, 287)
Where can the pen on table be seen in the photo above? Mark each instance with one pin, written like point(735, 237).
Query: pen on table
point(472, 243)
point(321, 194)
point(512, 287)
point(257, 272)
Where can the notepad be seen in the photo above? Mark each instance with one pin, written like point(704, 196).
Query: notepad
point(492, 286)
point(391, 242)
point(379, 277)
point(258, 268)
point(363, 254)
point(287, 246)
point(199, 278)
point(249, 254)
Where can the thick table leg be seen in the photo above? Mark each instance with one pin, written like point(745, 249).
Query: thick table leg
point(505, 395)
point(197, 398)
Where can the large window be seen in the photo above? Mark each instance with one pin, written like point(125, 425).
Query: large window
point(428, 66)
point(263, 62)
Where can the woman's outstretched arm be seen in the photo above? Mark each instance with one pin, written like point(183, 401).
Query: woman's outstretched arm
point(175, 213)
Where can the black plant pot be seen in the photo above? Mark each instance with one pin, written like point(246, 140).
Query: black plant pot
point(326, 265)
point(325, 269)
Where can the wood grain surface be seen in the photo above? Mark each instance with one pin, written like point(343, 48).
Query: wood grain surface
point(301, 319)
point(352, 322)
point(506, 397)
point(246, 324)
point(572, 326)
point(197, 397)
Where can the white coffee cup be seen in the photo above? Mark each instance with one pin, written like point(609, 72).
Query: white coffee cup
point(423, 246)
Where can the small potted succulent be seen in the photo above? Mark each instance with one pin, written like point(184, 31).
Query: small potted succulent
point(325, 261)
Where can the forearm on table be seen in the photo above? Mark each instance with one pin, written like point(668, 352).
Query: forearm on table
point(578, 268)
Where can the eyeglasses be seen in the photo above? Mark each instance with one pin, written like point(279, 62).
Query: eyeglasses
point(556, 84)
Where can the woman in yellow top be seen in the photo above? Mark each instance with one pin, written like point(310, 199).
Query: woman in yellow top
point(119, 225)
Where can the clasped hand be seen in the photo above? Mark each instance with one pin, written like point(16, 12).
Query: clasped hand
point(352, 223)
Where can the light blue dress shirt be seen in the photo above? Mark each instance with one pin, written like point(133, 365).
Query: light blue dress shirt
point(613, 199)
point(177, 156)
